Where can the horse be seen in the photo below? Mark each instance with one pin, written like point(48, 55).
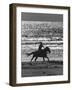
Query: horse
point(40, 53)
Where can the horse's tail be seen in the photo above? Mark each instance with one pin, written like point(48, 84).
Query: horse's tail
point(28, 54)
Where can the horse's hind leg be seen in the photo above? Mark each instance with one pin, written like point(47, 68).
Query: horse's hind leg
point(32, 58)
point(43, 59)
point(36, 59)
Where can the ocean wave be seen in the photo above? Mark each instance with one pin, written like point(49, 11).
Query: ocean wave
point(36, 46)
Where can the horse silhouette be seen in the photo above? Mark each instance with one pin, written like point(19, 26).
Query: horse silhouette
point(40, 53)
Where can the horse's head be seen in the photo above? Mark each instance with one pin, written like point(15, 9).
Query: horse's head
point(48, 49)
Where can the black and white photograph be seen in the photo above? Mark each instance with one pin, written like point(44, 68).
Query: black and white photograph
point(41, 44)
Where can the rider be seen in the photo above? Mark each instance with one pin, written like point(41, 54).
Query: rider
point(40, 46)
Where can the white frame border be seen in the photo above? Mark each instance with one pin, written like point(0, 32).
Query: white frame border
point(63, 77)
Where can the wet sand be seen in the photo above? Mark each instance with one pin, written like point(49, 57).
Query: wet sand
point(41, 68)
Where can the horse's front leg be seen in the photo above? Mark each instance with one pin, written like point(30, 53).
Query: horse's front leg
point(47, 58)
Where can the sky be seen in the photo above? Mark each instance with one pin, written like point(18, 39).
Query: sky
point(41, 17)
